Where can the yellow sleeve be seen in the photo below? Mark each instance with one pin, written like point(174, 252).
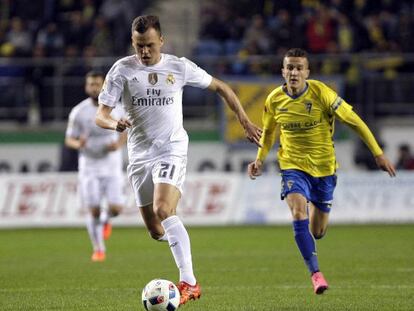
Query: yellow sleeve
point(325, 93)
point(345, 114)
point(270, 132)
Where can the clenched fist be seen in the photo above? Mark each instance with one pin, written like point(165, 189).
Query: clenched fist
point(122, 124)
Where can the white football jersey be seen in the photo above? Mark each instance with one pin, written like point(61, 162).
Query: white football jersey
point(152, 99)
point(94, 157)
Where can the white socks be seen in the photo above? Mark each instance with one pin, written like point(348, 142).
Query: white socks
point(95, 230)
point(179, 242)
point(104, 216)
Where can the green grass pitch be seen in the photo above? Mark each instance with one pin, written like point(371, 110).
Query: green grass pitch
point(240, 268)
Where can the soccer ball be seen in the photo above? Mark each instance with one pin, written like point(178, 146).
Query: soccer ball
point(160, 295)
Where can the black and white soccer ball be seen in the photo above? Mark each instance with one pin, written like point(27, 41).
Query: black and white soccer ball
point(160, 295)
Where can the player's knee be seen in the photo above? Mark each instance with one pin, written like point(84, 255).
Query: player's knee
point(155, 234)
point(95, 212)
point(162, 210)
point(115, 210)
point(297, 207)
point(318, 234)
point(299, 213)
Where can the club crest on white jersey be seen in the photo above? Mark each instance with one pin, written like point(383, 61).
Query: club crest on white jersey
point(153, 78)
point(170, 79)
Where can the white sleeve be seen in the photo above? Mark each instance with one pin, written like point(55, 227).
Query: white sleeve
point(196, 76)
point(73, 129)
point(112, 88)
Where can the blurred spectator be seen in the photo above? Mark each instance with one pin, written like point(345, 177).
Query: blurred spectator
point(216, 26)
point(65, 6)
point(389, 23)
point(118, 14)
point(405, 32)
point(6, 49)
point(405, 158)
point(51, 39)
point(38, 76)
point(19, 37)
point(256, 36)
point(90, 61)
point(13, 90)
point(362, 40)
point(376, 33)
point(73, 65)
point(283, 32)
point(76, 29)
point(345, 34)
point(89, 11)
point(102, 39)
point(320, 31)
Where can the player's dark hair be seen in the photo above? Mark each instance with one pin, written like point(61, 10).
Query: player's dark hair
point(95, 74)
point(144, 22)
point(296, 52)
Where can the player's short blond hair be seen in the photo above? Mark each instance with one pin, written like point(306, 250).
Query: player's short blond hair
point(144, 22)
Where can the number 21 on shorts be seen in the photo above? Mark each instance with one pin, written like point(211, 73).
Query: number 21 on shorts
point(166, 170)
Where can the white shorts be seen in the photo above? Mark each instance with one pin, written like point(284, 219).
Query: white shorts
point(94, 188)
point(167, 169)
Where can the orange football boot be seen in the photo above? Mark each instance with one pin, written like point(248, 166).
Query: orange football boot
point(107, 230)
point(98, 256)
point(188, 292)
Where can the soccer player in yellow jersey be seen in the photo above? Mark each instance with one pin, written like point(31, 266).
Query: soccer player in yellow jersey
point(301, 114)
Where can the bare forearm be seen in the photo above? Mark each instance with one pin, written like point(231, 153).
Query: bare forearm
point(73, 143)
point(106, 122)
point(103, 118)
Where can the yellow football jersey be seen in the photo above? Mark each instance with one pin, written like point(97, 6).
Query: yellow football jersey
point(306, 126)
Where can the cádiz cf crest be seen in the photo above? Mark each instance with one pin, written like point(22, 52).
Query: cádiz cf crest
point(170, 79)
point(308, 106)
point(153, 78)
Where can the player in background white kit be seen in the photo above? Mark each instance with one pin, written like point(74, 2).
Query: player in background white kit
point(150, 85)
point(100, 164)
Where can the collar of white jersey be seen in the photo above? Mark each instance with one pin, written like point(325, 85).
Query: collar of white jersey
point(160, 62)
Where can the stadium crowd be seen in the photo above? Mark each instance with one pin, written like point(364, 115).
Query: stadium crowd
point(365, 39)
point(330, 26)
point(266, 27)
point(320, 26)
point(235, 37)
point(66, 28)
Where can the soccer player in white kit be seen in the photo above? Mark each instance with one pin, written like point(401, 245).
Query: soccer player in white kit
point(100, 164)
point(150, 85)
